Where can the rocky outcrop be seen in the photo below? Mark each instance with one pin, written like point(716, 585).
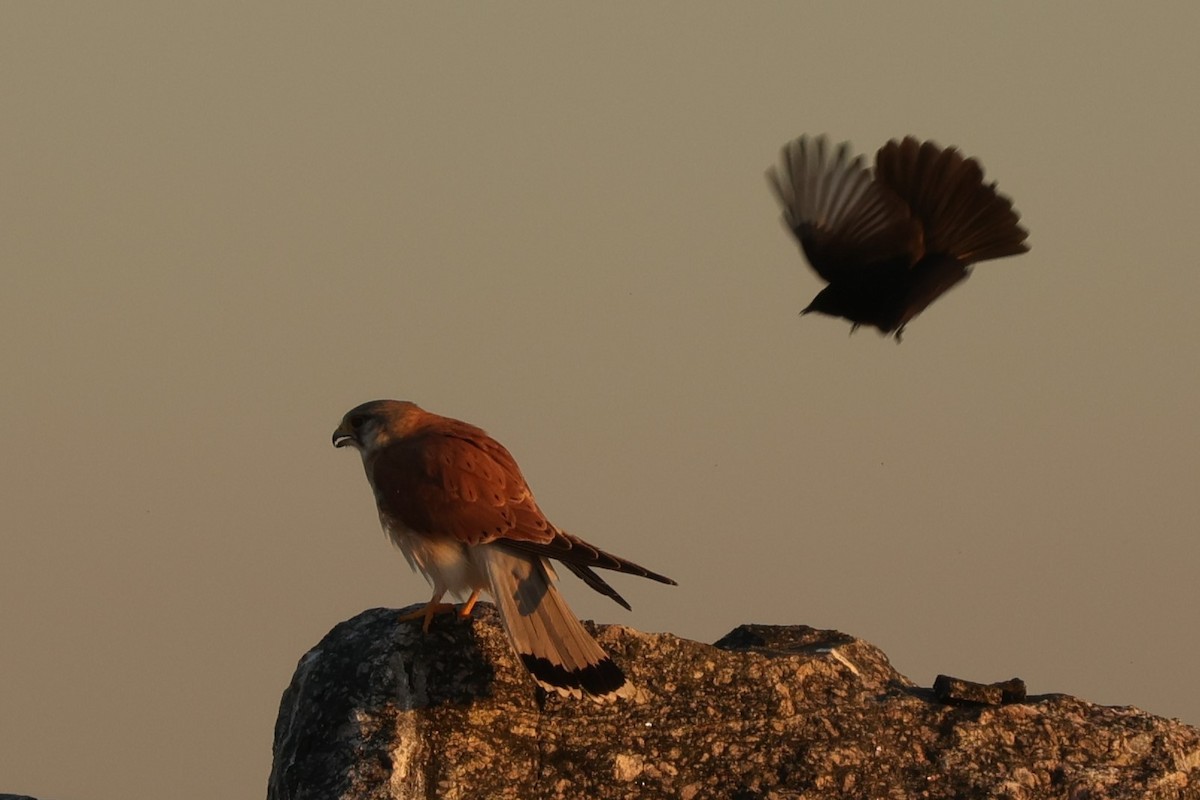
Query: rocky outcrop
point(379, 710)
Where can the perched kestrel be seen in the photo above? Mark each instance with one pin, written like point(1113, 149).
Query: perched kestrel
point(891, 243)
point(455, 503)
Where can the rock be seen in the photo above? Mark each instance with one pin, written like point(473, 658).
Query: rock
point(379, 710)
point(955, 690)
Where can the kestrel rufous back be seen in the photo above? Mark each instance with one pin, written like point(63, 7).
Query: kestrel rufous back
point(455, 503)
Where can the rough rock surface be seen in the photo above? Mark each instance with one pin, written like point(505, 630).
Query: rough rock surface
point(378, 710)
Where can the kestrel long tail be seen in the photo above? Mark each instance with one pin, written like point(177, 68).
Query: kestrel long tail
point(552, 644)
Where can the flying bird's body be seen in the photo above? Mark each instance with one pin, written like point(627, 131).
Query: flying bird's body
point(891, 242)
point(456, 504)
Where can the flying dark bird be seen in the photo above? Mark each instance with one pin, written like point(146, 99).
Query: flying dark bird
point(455, 503)
point(890, 243)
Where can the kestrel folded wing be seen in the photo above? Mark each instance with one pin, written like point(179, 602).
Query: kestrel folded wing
point(464, 484)
point(961, 216)
point(455, 487)
point(580, 556)
point(573, 551)
point(849, 225)
point(588, 576)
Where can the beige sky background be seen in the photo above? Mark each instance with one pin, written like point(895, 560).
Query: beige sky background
point(223, 226)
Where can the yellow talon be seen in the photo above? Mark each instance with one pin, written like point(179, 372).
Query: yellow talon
point(427, 612)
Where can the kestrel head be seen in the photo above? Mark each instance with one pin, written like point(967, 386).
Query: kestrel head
point(373, 425)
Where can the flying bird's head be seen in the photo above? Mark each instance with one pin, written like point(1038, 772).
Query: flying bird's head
point(373, 425)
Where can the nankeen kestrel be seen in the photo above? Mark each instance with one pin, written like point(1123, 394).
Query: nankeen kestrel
point(455, 503)
point(891, 242)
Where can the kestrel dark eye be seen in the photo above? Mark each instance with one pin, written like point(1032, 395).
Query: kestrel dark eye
point(357, 421)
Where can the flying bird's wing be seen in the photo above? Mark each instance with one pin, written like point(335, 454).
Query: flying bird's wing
point(849, 225)
point(962, 217)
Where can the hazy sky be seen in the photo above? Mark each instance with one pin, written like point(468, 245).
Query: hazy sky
point(223, 226)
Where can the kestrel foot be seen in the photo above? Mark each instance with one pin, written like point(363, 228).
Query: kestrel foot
point(427, 613)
